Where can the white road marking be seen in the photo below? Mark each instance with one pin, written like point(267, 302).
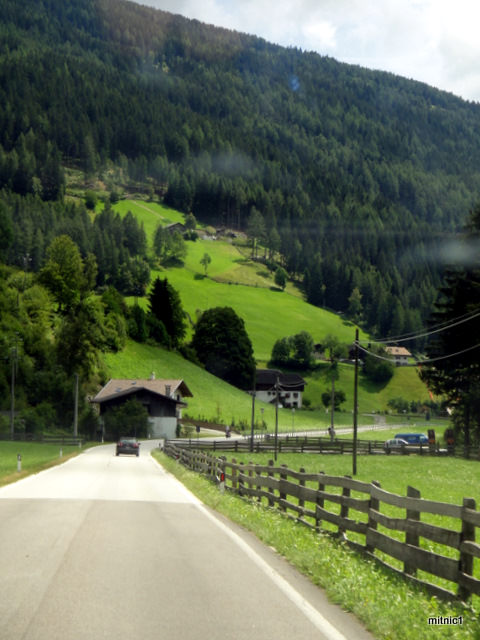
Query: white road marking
point(315, 617)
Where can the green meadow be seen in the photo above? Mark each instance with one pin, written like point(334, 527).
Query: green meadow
point(234, 280)
point(35, 457)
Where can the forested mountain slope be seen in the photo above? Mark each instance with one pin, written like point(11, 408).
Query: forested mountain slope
point(355, 173)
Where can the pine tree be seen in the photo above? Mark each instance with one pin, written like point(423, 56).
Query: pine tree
point(165, 305)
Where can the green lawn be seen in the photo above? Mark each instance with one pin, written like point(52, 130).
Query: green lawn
point(35, 458)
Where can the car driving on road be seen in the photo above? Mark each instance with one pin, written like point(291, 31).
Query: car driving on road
point(129, 446)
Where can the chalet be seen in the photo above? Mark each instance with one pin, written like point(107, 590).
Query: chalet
point(399, 354)
point(290, 387)
point(175, 226)
point(163, 400)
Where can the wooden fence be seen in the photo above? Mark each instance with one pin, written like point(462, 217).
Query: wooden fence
point(316, 444)
point(366, 517)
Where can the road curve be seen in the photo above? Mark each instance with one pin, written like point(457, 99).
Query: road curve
point(106, 547)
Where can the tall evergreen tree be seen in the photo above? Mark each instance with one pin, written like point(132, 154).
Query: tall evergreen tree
point(165, 305)
point(454, 350)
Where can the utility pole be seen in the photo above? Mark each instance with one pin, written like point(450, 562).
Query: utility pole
point(276, 417)
point(12, 391)
point(355, 406)
point(253, 410)
point(75, 410)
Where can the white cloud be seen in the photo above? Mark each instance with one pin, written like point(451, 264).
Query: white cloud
point(435, 41)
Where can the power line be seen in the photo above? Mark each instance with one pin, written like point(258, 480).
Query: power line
point(454, 323)
point(420, 362)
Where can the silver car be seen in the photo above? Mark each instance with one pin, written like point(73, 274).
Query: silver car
point(394, 444)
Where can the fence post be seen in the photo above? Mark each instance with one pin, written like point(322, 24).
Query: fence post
point(320, 503)
point(301, 501)
point(374, 506)
point(240, 480)
point(465, 564)
point(258, 486)
point(234, 475)
point(250, 476)
point(344, 509)
point(283, 495)
point(411, 537)
point(271, 501)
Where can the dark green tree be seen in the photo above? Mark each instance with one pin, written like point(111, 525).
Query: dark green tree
point(128, 419)
point(205, 261)
point(454, 370)
point(280, 278)
point(63, 273)
point(223, 346)
point(281, 352)
point(165, 306)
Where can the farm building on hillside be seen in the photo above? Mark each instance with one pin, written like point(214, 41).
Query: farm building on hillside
point(400, 354)
point(290, 387)
point(163, 400)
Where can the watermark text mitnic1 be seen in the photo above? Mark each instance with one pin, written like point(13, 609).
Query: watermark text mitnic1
point(442, 620)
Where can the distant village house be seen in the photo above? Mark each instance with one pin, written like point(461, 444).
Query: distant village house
point(399, 354)
point(290, 387)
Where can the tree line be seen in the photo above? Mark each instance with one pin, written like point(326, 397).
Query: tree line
point(358, 174)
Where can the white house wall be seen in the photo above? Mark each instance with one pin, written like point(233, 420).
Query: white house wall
point(287, 398)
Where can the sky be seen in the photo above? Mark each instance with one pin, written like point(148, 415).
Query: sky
point(434, 41)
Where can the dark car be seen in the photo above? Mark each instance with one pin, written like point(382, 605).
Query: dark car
point(128, 445)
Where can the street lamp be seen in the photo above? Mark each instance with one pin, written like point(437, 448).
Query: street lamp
point(293, 419)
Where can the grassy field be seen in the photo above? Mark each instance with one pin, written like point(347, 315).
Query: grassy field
point(35, 457)
point(234, 280)
point(390, 607)
point(214, 400)
point(218, 401)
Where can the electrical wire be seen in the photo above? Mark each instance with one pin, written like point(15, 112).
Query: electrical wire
point(455, 323)
point(420, 362)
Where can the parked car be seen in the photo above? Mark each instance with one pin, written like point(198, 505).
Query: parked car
point(128, 445)
point(413, 438)
point(395, 444)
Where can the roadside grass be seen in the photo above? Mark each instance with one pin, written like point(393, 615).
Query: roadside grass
point(35, 457)
point(389, 606)
point(395, 473)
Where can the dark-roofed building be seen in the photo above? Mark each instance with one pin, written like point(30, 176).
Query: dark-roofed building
point(163, 400)
point(290, 387)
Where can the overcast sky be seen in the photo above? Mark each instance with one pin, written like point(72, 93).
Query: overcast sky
point(435, 41)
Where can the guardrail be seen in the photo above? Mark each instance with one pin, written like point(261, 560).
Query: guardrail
point(365, 516)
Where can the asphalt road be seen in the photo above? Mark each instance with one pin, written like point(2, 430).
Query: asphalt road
point(106, 547)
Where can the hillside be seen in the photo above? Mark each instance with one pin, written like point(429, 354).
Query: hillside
point(268, 313)
point(359, 176)
point(217, 401)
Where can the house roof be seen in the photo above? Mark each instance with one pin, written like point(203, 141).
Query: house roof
point(116, 388)
point(267, 378)
point(398, 351)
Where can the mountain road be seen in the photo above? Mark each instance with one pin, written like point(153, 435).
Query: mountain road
point(106, 547)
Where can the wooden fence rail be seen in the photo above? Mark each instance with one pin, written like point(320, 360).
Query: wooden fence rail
point(365, 516)
point(319, 444)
